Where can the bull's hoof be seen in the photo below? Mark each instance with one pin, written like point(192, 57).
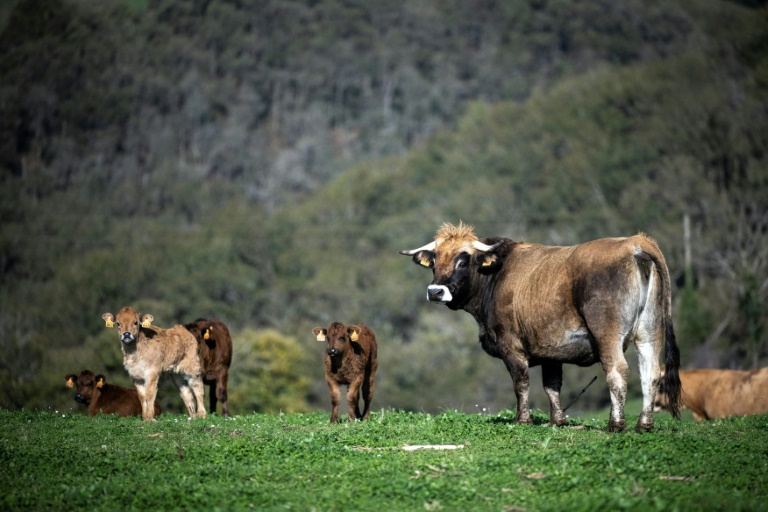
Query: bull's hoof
point(617, 426)
point(521, 421)
point(560, 423)
point(643, 427)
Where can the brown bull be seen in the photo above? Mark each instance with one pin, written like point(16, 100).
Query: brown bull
point(547, 305)
point(712, 394)
point(149, 351)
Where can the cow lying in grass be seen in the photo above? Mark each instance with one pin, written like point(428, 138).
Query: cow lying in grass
point(215, 349)
point(350, 360)
point(149, 351)
point(103, 398)
point(712, 394)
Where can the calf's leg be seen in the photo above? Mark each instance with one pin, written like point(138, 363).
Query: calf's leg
point(333, 388)
point(221, 392)
point(353, 398)
point(368, 393)
point(148, 401)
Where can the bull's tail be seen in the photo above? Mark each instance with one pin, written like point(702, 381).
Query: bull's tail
point(671, 350)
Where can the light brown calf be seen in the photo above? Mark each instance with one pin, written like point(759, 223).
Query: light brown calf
point(103, 398)
point(350, 360)
point(149, 351)
point(712, 394)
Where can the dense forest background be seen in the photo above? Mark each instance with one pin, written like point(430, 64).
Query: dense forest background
point(262, 161)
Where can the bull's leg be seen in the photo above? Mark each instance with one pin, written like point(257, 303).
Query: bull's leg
point(518, 370)
point(648, 352)
point(552, 377)
point(221, 392)
point(353, 398)
point(335, 399)
point(617, 372)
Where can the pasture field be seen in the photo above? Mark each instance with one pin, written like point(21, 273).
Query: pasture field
point(66, 461)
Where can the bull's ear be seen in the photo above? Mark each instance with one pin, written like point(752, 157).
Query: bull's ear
point(488, 263)
point(146, 321)
point(109, 319)
point(319, 333)
point(100, 381)
point(71, 379)
point(354, 332)
point(425, 259)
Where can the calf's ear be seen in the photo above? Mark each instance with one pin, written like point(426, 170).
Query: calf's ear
point(109, 319)
point(354, 332)
point(71, 379)
point(100, 381)
point(319, 333)
point(488, 263)
point(146, 321)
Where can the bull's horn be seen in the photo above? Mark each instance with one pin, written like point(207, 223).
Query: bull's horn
point(429, 247)
point(480, 246)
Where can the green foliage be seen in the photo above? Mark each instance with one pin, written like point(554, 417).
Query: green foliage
point(263, 165)
point(299, 461)
point(267, 373)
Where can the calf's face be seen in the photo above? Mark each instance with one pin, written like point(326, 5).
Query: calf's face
point(338, 336)
point(128, 324)
point(85, 384)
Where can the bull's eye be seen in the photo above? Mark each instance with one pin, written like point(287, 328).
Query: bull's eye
point(136, 322)
point(461, 264)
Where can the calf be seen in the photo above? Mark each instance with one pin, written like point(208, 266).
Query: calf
point(712, 394)
point(100, 397)
point(350, 360)
point(149, 351)
point(214, 346)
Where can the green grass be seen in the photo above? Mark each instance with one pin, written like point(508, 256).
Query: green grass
point(301, 462)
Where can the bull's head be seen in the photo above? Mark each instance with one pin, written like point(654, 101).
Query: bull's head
point(338, 336)
point(128, 323)
point(86, 383)
point(455, 256)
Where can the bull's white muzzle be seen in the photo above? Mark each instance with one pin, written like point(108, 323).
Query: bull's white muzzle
point(439, 293)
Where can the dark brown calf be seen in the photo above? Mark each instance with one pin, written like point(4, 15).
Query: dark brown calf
point(100, 397)
point(214, 346)
point(350, 360)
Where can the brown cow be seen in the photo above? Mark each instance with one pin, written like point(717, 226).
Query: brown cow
point(214, 345)
point(712, 394)
point(103, 398)
point(350, 360)
point(547, 305)
point(149, 351)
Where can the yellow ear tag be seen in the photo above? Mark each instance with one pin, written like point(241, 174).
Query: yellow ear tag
point(424, 263)
point(486, 264)
point(207, 334)
point(109, 324)
point(70, 383)
point(100, 383)
point(146, 323)
point(321, 337)
point(353, 336)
